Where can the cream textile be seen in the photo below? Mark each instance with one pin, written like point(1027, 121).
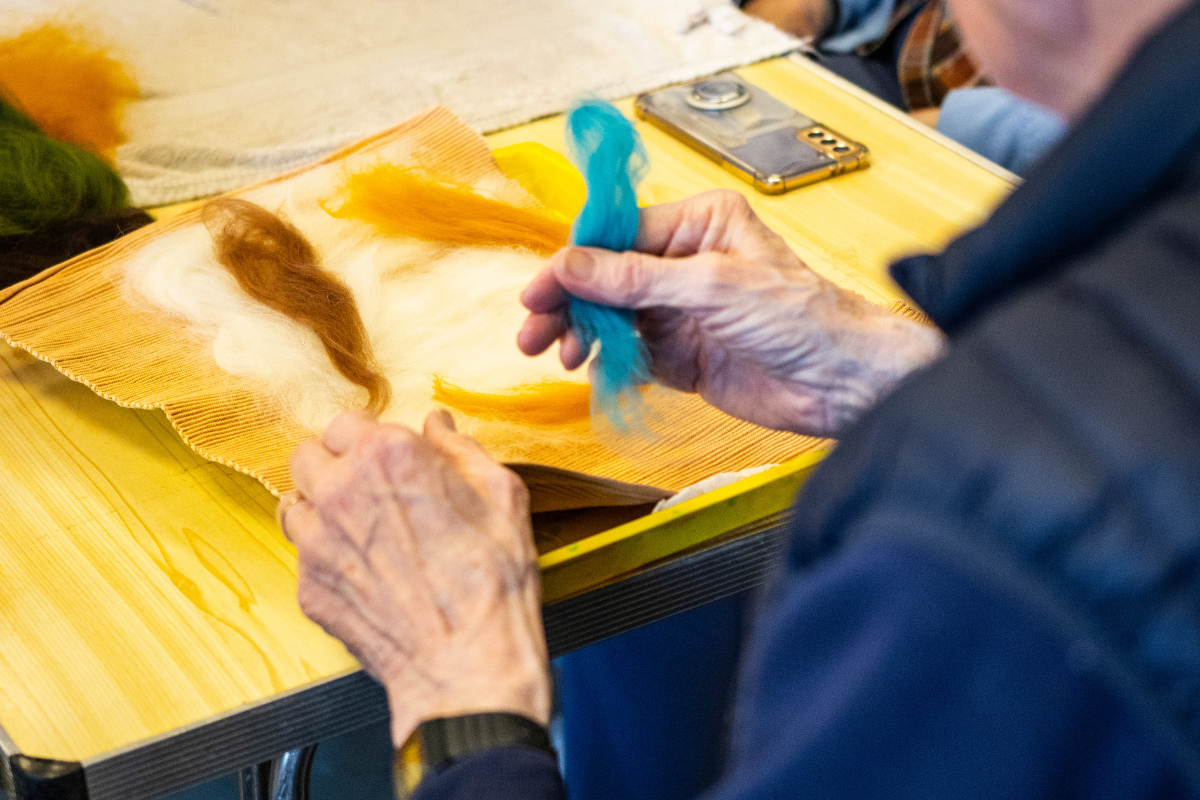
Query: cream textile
point(237, 91)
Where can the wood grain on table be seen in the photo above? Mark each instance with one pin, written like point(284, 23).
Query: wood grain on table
point(143, 589)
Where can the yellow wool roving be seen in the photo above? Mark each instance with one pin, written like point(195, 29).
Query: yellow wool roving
point(400, 201)
point(548, 403)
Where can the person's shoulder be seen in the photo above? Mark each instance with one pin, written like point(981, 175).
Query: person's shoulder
point(1059, 439)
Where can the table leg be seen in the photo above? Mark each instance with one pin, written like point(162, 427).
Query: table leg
point(254, 782)
point(289, 780)
point(285, 778)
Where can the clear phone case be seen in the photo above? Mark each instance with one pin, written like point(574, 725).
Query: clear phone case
point(751, 133)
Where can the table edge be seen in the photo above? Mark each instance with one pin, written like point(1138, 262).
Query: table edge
point(935, 135)
point(255, 733)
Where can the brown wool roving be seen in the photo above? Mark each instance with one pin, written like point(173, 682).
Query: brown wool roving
point(274, 264)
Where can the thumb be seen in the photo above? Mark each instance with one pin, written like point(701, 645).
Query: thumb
point(629, 279)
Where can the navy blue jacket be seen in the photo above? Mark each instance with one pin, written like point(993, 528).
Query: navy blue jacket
point(994, 584)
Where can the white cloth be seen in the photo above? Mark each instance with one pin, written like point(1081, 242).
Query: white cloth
point(235, 91)
point(707, 485)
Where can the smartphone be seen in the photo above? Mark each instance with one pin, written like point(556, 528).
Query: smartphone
point(751, 133)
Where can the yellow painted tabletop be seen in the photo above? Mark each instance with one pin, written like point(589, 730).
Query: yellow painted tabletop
point(143, 589)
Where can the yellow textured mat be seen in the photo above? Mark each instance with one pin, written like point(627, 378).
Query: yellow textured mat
point(153, 320)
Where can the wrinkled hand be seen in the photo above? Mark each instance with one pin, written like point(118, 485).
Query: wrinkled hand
point(416, 552)
point(729, 311)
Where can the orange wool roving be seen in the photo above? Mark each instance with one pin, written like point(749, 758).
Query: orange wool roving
point(276, 265)
point(399, 201)
point(548, 403)
point(72, 89)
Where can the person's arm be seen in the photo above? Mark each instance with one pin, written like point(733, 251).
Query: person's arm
point(728, 311)
point(415, 550)
point(896, 669)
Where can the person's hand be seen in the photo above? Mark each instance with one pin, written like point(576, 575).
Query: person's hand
point(416, 552)
point(729, 311)
point(927, 116)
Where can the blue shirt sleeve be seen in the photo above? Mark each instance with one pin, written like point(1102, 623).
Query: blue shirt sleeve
point(501, 773)
point(1009, 130)
point(859, 22)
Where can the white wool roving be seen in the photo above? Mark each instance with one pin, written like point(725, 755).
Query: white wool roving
point(178, 273)
point(427, 308)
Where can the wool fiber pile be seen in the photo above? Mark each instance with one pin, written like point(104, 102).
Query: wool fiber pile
point(154, 320)
point(237, 91)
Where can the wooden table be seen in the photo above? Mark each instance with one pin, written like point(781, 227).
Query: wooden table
point(149, 633)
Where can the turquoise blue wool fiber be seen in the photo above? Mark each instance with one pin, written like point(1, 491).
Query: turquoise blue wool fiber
point(608, 151)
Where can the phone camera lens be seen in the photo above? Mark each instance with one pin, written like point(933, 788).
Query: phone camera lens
point(841, 148)
point(815, 134)
point(717, 95)
point(828, 140)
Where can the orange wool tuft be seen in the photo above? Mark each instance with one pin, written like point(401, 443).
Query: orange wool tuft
point(544, 404)
point(72, 89)
point(402, 202)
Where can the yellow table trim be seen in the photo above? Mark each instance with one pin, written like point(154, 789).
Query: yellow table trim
point(599, 559)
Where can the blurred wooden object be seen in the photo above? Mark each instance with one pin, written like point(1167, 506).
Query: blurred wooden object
point(143, 589)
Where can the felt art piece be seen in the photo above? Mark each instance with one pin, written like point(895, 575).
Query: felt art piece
point(180, 315)
point(405, 202)
point(236, 91)
point(71, 88)
point(545, 174)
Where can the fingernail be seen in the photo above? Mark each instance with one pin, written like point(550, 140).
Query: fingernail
point(580, 265)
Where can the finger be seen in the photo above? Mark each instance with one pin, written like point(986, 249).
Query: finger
point(300, 523)
point(693, 225)
point(284, 505)
point(632, 279)
point(440, 420)
point(443, 434)
point(571, 352)
point(544, 294)
point(540, 331)
point(464, 453)
point(309, 462)
point(346, 429)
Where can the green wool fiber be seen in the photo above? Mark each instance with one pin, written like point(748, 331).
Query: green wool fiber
point(44, 181)
point(12, 118)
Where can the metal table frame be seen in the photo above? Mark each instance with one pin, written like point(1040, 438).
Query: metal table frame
point(271, 744)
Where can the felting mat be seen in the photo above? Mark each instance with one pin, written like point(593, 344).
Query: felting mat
point(152, 320)
point(236, 91)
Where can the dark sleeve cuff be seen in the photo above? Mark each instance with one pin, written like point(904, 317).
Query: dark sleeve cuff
point(499, 773)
